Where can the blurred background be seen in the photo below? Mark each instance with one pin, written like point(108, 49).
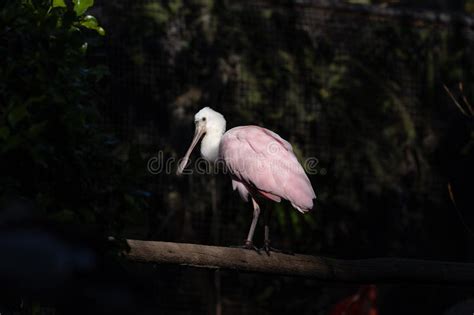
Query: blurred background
point(378, 92)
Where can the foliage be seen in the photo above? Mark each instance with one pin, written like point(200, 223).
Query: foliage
point(53, 153)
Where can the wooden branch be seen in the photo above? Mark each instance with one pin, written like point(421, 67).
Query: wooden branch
point(378, 270)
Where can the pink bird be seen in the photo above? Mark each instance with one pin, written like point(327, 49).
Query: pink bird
point(261, 164)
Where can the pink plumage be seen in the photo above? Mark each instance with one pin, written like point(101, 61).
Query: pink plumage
point(263, 163)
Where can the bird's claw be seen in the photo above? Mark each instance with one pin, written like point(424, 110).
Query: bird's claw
point(251, 246)
point(267, 248)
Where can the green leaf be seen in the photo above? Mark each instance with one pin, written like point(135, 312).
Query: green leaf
point(81, 6)
point(175, 5)
point(156, 12)
point(101, 31)
point(17, 114)
point(59, 3)
point(91, 22)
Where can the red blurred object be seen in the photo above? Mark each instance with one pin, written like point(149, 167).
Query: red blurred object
point(361, 303)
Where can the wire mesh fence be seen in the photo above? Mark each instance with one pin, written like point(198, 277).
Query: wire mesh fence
point(358, 88)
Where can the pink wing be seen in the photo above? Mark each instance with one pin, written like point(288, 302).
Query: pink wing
point(263, 162)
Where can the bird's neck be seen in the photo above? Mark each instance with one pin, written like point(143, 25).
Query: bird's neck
point(210, 145)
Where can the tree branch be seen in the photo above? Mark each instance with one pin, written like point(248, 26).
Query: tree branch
point(377, 270)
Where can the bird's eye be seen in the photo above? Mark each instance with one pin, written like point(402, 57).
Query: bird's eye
point(204, 119)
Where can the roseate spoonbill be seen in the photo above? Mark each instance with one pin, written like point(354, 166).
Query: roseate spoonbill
point(261, 164)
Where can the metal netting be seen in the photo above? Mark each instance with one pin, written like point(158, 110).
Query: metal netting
point(358, 88)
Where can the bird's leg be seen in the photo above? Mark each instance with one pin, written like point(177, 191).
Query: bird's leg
point(266, 244)
point(256, 214)
point(249, 241)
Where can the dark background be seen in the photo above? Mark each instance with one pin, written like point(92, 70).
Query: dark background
point(357, 86)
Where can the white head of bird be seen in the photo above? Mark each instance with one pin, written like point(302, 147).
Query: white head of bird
point(211, 125)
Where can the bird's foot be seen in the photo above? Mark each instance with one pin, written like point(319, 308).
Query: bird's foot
point(248, 245)
point(267, 248)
